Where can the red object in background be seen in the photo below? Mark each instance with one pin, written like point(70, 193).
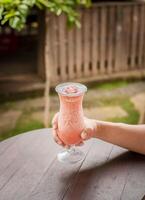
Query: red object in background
point(8, 43)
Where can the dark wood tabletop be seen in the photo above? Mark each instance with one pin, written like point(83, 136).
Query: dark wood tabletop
point(29, 170)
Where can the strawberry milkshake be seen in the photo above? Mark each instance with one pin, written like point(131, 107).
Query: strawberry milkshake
point(71, 117)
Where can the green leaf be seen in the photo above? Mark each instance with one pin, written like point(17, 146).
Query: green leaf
point(45, 3)
point(23, 8)
point(59, 11)
point(39, 5)
point(52, 9)
point(78, 24)
point(10, 14)
point(5, 1)
point(28, 2)
point(14, 22)
point(4, 21)
point(1, 12)
point(87, 3)
point(16, 11)
point(65, 8)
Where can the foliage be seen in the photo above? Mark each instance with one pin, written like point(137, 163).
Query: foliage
point(109, 85)
point(127, 105)
point(15, 12)
point(112, 85)
point(21, 127)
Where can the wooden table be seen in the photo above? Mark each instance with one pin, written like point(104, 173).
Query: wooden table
point(29, 170)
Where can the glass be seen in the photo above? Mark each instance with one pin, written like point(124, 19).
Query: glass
point(71, 119)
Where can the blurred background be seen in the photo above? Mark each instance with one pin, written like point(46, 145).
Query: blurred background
point(107, 54)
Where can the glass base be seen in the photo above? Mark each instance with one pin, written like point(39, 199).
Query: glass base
point(70, 156)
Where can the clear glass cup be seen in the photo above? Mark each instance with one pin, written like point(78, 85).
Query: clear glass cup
point(70, 120)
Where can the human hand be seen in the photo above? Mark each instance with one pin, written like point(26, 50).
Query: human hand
point(87, 133)
point(90, 129)
point(55, 131)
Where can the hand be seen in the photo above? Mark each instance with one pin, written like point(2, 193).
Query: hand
point(87, 133)
point(55, 131)
point(90, 129)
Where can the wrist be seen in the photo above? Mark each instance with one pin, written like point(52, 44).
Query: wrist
point(99, 129)
point(104, 128)
point(94, 127)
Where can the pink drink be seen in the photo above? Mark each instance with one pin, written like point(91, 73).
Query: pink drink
point(71, 117)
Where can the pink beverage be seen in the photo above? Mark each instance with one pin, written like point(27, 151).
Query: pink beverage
point(71, 117)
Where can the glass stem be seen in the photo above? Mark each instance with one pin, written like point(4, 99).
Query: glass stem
point(71, 149)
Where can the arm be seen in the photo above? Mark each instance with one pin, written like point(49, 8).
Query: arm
point(131, 137)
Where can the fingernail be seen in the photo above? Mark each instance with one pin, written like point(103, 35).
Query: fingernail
point(83, 135)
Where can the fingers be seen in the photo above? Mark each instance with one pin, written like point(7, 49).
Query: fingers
point(55, 127)
point(56, 138)
point(85, 134)
point(55, 131)
point(54, 121)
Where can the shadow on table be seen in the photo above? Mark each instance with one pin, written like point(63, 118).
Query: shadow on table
point(104, 175)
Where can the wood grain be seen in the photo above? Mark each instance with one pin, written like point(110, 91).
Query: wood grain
point(126, 37)
point(55, 48)
point(110, 41)
point(6, 144)
point(94, 41)
point(30, 161)
point(118, 40)
point(83, 184)
point(86, 40)
point(103, 29)
point(141, 36)
point(71, 53)
point(135, 186)
point(62, 46)
point(29, 170)
point(111, 35)
point(78, 49)
point(58, 179)
point(134, 36)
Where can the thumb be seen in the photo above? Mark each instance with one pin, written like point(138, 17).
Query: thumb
point(84, 135)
